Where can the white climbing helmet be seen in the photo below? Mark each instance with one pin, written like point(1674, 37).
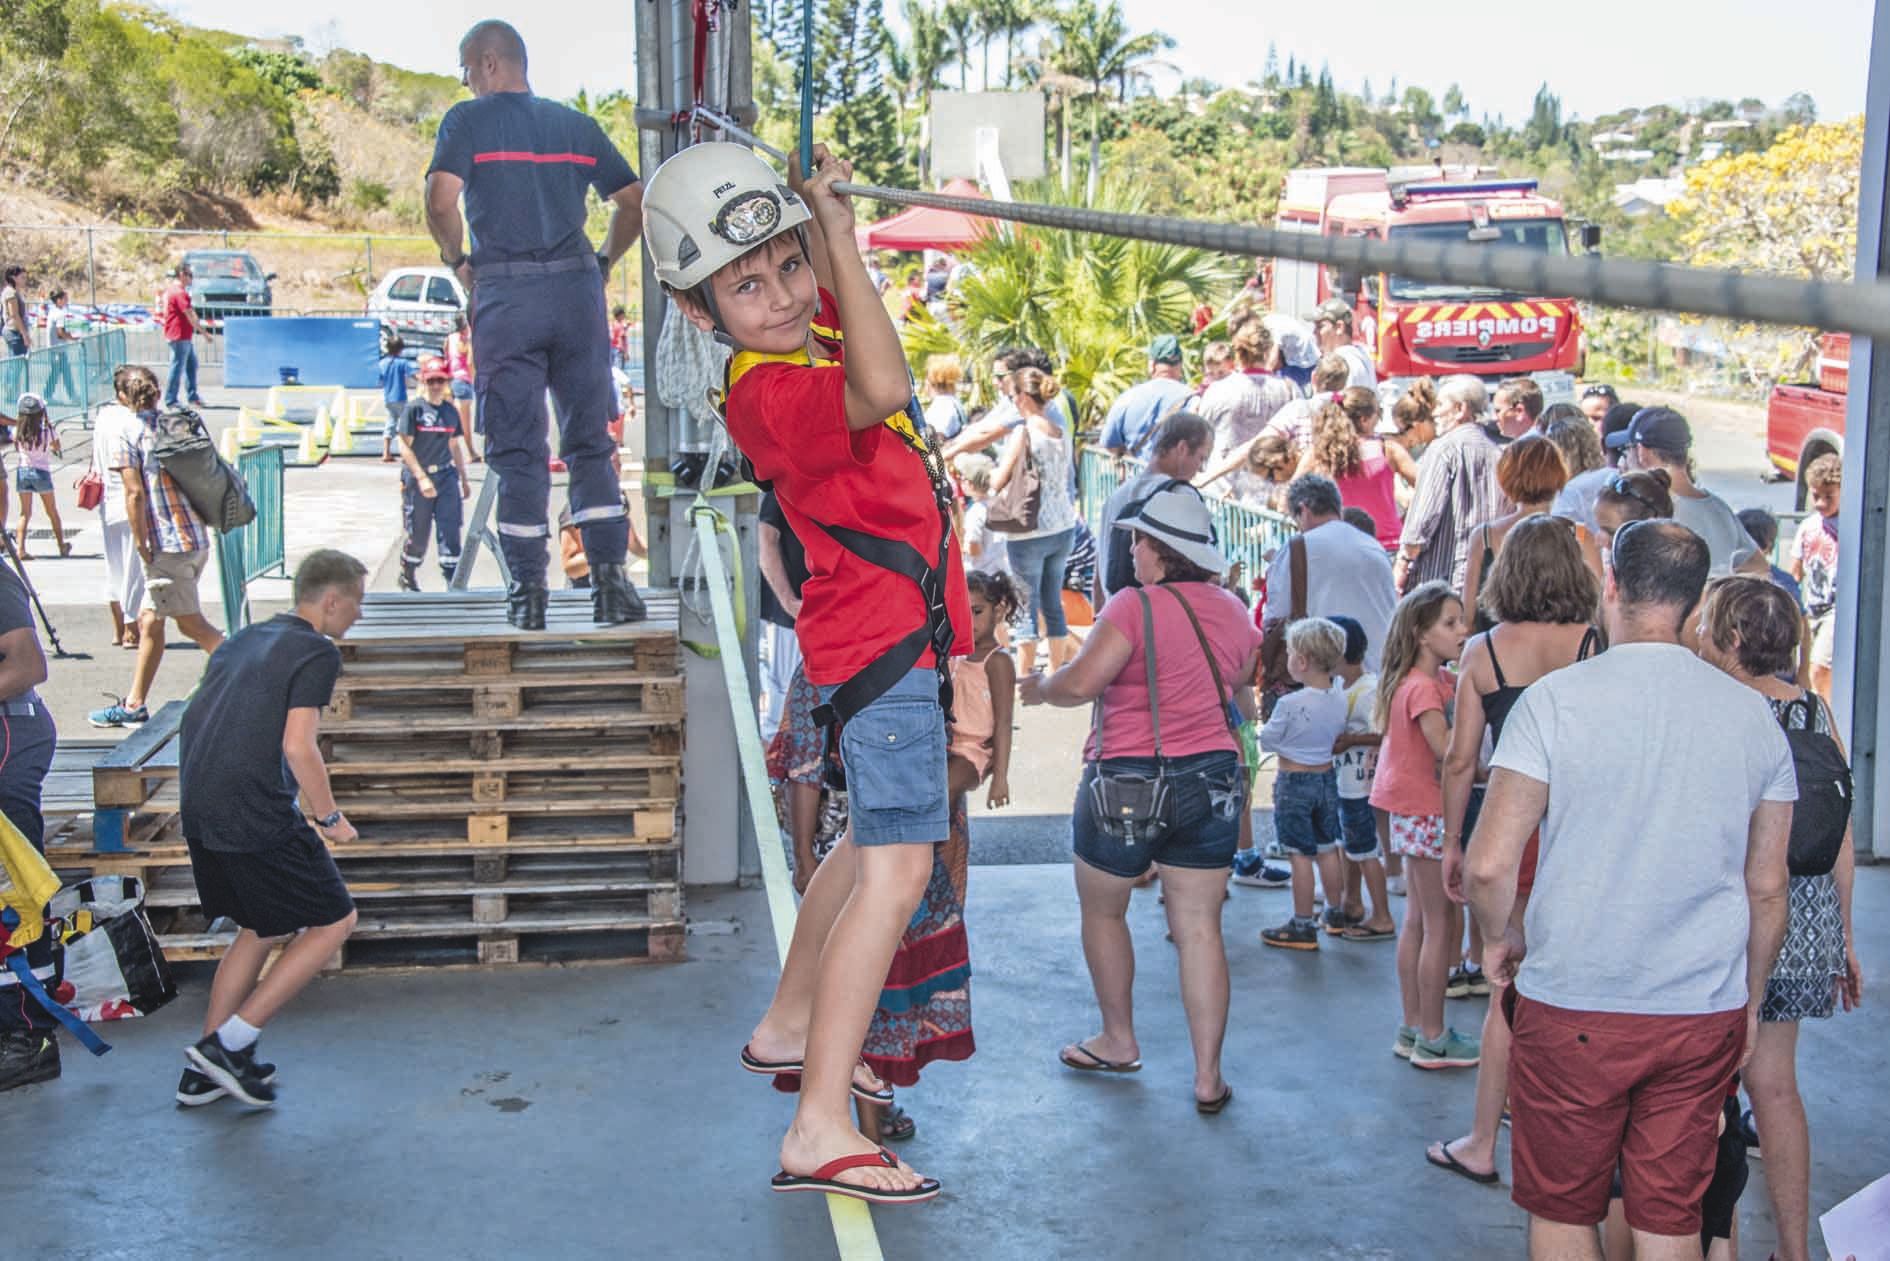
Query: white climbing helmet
point(709, 205)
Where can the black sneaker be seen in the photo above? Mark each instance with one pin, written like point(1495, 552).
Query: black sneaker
point(406, 581)
point(1292, 936)
point(194, 1089)
point(235, 1071)
point(1458, 983)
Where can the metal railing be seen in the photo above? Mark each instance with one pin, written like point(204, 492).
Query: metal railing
point(73, 377)
point(258, 548)
point(1248, 536)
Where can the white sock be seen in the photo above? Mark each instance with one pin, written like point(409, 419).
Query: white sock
point(237, 1033)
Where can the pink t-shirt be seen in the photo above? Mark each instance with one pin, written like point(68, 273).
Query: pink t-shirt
point(1193, 721)
point(1373, 487)
point(1407, 780)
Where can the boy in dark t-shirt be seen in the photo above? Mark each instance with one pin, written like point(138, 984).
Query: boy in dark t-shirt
point(246, 747)
point(433, 477)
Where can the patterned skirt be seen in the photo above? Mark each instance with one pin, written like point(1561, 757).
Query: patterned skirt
point(924, 1012)
point(1801, 986)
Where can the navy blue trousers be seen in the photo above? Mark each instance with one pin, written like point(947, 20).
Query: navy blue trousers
point(533, 333)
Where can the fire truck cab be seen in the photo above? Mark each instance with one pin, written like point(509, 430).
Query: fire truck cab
point(1415, 328)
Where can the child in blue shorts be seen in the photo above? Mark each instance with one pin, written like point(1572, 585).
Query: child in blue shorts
point(1355, 757)
point(1301, 732)
point(819, 400)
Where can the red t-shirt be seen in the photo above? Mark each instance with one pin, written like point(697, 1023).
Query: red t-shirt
point(791, 421)
point(177, 326)
point(1407, 781)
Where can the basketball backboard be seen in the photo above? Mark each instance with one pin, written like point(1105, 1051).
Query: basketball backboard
point(957, 118)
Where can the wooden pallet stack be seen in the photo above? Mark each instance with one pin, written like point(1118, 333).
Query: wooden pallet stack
point(516, 793)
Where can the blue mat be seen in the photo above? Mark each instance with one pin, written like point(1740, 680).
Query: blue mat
point(323, 351)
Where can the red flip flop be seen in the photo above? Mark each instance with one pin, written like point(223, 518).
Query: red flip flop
point(794, 1068)
point(823, 1179)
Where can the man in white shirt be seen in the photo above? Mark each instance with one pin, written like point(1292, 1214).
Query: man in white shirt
point(1332, 325)
point(1662, 789)
point(1347, 572)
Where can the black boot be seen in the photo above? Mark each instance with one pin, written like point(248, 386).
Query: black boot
point(613, 598)
point(407, 581)
point(28, 1057)
point(525, 605)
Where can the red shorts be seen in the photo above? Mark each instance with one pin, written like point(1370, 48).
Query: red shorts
point(1590, 1090)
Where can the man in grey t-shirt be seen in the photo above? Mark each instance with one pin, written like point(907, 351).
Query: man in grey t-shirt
point(1662, 789)
point(1180, 444)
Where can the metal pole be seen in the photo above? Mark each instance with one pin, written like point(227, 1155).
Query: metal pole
point(1863, 526)
point(91, 269)
point(655, 145)
point(368, 241)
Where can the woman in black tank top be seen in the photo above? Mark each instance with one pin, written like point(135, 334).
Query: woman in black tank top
point(1543, 597)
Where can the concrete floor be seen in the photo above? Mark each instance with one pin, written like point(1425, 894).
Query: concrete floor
point(598, 1111)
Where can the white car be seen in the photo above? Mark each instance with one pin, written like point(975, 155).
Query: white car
point(420, 304)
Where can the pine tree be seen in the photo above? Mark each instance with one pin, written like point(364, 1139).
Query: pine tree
point(1270, 77)
point(1292, 70)
point(851, 91)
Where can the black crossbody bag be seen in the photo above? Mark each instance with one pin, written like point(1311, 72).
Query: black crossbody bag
point(1131, 805)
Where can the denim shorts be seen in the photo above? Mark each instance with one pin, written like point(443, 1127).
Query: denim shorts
point(462, 390)
point(33, 481)
point(894, 752)
point(1306, 811)
point(1359, 822)
point(1207, 795)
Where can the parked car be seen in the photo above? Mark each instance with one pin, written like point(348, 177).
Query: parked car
point(1804, 420)
point(225, 283)
point(419, 303)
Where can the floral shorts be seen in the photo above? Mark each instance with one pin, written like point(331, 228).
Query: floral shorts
point(1418, 835)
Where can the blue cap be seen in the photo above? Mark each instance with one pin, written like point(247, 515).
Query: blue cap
point(1662, 428)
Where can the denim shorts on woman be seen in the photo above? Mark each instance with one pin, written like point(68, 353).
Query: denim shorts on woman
point(33, 481)
point(1207, 795)
point(894, 752)
point(1306, 811)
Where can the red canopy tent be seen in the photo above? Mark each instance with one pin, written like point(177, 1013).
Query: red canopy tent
point(922, 228)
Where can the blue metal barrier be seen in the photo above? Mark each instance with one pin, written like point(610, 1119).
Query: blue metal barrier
point(258, 548)
point(73, 377)
point(1248, 536)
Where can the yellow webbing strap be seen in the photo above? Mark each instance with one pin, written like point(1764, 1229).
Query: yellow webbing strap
point(853, 1231)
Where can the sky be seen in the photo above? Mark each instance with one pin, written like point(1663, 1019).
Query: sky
point(1599, 55)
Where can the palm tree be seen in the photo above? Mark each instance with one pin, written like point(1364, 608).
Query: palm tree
point(912, 69)
point(1094, 44)
point(960, 21)
point(1091, 302)
point(1009, 18)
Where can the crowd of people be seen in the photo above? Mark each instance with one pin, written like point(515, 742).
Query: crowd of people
point(1475, 575)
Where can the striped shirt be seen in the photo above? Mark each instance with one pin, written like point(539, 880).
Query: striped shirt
point(1456, 492)
point(174, 524)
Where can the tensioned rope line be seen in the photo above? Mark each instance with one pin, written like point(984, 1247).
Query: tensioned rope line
point(1849, 308)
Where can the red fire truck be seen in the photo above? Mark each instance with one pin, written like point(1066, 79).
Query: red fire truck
point(1417, 328)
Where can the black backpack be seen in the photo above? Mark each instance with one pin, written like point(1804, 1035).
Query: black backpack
point(1823, 809)
point(184, 450)
point(1118, 564)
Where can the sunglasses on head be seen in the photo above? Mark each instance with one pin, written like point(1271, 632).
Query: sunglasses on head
point(1599, 391)
point(1623, 487)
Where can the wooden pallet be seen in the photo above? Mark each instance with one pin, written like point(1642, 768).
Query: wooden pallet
point(472, 617)
point(141, 765)
point(429, 753)
point(362, 699)
point(563, 946)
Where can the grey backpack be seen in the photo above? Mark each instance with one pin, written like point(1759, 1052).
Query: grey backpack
point(184, 450)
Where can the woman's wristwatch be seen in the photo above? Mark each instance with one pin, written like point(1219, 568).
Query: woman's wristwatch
point(329, 820)
point(454, 263)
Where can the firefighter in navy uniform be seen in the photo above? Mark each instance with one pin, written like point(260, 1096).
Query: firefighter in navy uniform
point(433, 473)
point(524, 165)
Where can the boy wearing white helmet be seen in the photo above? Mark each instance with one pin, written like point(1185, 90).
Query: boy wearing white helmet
point(884, 609)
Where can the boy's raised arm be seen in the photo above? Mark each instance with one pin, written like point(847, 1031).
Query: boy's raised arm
point(878, 382)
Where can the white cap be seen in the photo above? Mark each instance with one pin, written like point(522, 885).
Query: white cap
point(709, 205)
point(30, 402)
